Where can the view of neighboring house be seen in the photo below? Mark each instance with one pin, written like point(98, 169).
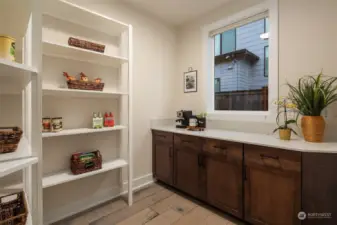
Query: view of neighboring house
point(241, 61)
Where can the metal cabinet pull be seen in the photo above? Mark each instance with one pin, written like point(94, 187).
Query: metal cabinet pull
point(263, 156)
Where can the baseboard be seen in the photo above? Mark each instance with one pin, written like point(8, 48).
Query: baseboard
point(85, 204)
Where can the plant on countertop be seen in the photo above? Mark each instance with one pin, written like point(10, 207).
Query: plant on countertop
point(285, 106)
point(312, 95)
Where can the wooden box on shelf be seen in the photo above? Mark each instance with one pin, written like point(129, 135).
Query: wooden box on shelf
point(9, 139)
point(85, 85)
point(86, 162)
point(13, 209)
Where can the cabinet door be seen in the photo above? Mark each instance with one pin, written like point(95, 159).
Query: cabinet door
point(163, 156)
point(272, 186)
point(163, 162)
point(223, 167)
point(187, 171)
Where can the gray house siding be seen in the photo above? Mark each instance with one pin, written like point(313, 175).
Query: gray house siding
point(242, 75)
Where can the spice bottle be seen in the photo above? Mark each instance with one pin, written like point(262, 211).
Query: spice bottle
point(106, 120)
point(112, 121)
point(100, 120)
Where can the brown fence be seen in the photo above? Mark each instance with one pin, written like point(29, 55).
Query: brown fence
point(251, 100)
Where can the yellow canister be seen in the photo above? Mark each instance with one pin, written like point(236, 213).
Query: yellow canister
point(7, 48)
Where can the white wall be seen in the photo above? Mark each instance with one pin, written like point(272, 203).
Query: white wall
point(307, 43)
point(154, 67)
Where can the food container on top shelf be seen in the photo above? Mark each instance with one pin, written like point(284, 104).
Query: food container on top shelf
point(7, 48)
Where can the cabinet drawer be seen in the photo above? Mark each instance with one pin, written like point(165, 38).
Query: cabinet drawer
point(161, 136)
point(272, 158)
point(187, 142)
point(230, 151)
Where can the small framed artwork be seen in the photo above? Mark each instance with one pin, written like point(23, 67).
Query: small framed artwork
point(190, 81)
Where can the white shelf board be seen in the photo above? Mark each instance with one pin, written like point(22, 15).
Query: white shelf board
point(79, 54)
point(8, 167)
point(9, 68)
point(82, 131)
point(14, 76)
point(67, 176)
point(23, 151)
point(65, 92)
point(73, 13)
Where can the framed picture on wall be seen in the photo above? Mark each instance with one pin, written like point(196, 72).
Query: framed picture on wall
point(190, 81)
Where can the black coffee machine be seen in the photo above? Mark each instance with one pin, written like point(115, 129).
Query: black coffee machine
point(183, 118)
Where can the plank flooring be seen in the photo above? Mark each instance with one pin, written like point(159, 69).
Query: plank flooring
point(154, 205)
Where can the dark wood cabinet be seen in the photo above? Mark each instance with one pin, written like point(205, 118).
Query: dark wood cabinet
point(187, 151)
point(163, 156)
point(223, 166)
point(261, 185)
point(272, 186)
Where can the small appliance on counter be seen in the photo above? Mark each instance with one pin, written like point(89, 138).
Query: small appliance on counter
point(183, 118)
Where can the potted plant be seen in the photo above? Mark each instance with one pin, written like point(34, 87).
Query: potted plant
point(312, 95)
point(284, 107)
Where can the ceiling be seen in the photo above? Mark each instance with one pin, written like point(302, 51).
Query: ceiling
point(177, 12)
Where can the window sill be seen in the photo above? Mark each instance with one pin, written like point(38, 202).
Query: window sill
point(263, 116)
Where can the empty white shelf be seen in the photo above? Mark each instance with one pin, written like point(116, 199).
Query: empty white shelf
point(12, 166)
point(65, 10)
point(9, 68)
point(67, 176)
point(65, 92)
point(79, 54)
point(23, 151)
point(82, 131)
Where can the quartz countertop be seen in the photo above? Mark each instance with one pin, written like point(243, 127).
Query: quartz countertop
point(296, 144)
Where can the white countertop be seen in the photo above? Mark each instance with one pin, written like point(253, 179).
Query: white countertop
point(296, 144)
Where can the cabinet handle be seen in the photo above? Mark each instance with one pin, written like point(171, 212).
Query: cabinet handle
point(161, 135)
point(184, 141)
point(220, 148)
point(269, 157)
point(170, 152)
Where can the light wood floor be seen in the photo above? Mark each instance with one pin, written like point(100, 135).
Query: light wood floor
point(155, 205)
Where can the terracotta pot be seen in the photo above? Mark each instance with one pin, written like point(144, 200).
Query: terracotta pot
point(313, 128)
point(285, 134)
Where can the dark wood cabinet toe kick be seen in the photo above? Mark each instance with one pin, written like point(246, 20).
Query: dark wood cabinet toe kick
point(259, 185)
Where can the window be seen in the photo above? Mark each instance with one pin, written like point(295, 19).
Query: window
point(217, 85)
point(241, 62)
point(266, 61)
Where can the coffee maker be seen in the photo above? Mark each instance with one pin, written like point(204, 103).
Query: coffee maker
point(183, 118)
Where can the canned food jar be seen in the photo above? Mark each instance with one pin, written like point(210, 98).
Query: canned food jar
point(56, 124)
point(7, 48)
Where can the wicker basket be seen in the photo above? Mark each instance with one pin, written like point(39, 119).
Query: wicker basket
point(9, 139)
point(85, 85)
point(13, 209)
point(78, 165)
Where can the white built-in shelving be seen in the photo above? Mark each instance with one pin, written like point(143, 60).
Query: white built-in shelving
point(78, 131)
point(65, 92)
point(11, 166)
point(65, 176)
point(69, 52)
point(41, 29)
point(21, 20)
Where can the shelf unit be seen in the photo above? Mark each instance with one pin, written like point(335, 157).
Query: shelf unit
point(61, 20)
point(37, 76)
point(22, 21)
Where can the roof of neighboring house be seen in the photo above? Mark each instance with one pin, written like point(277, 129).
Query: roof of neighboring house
point(242, 54)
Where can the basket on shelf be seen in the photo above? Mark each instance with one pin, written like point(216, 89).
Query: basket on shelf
point(86, 162)
point(13, 209)
point(9, 139)
point(85, 85)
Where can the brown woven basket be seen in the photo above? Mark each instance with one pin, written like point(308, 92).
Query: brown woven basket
point(85, 85)
point(79, 166)
point(9, 139)
point(13, 209)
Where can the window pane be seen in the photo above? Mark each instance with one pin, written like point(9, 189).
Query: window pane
point(266, 61)
point(228, 41)
point(217, 45)
point(244, 83)
point(217, 85)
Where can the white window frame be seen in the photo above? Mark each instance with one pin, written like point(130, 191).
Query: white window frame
point(273, 79)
